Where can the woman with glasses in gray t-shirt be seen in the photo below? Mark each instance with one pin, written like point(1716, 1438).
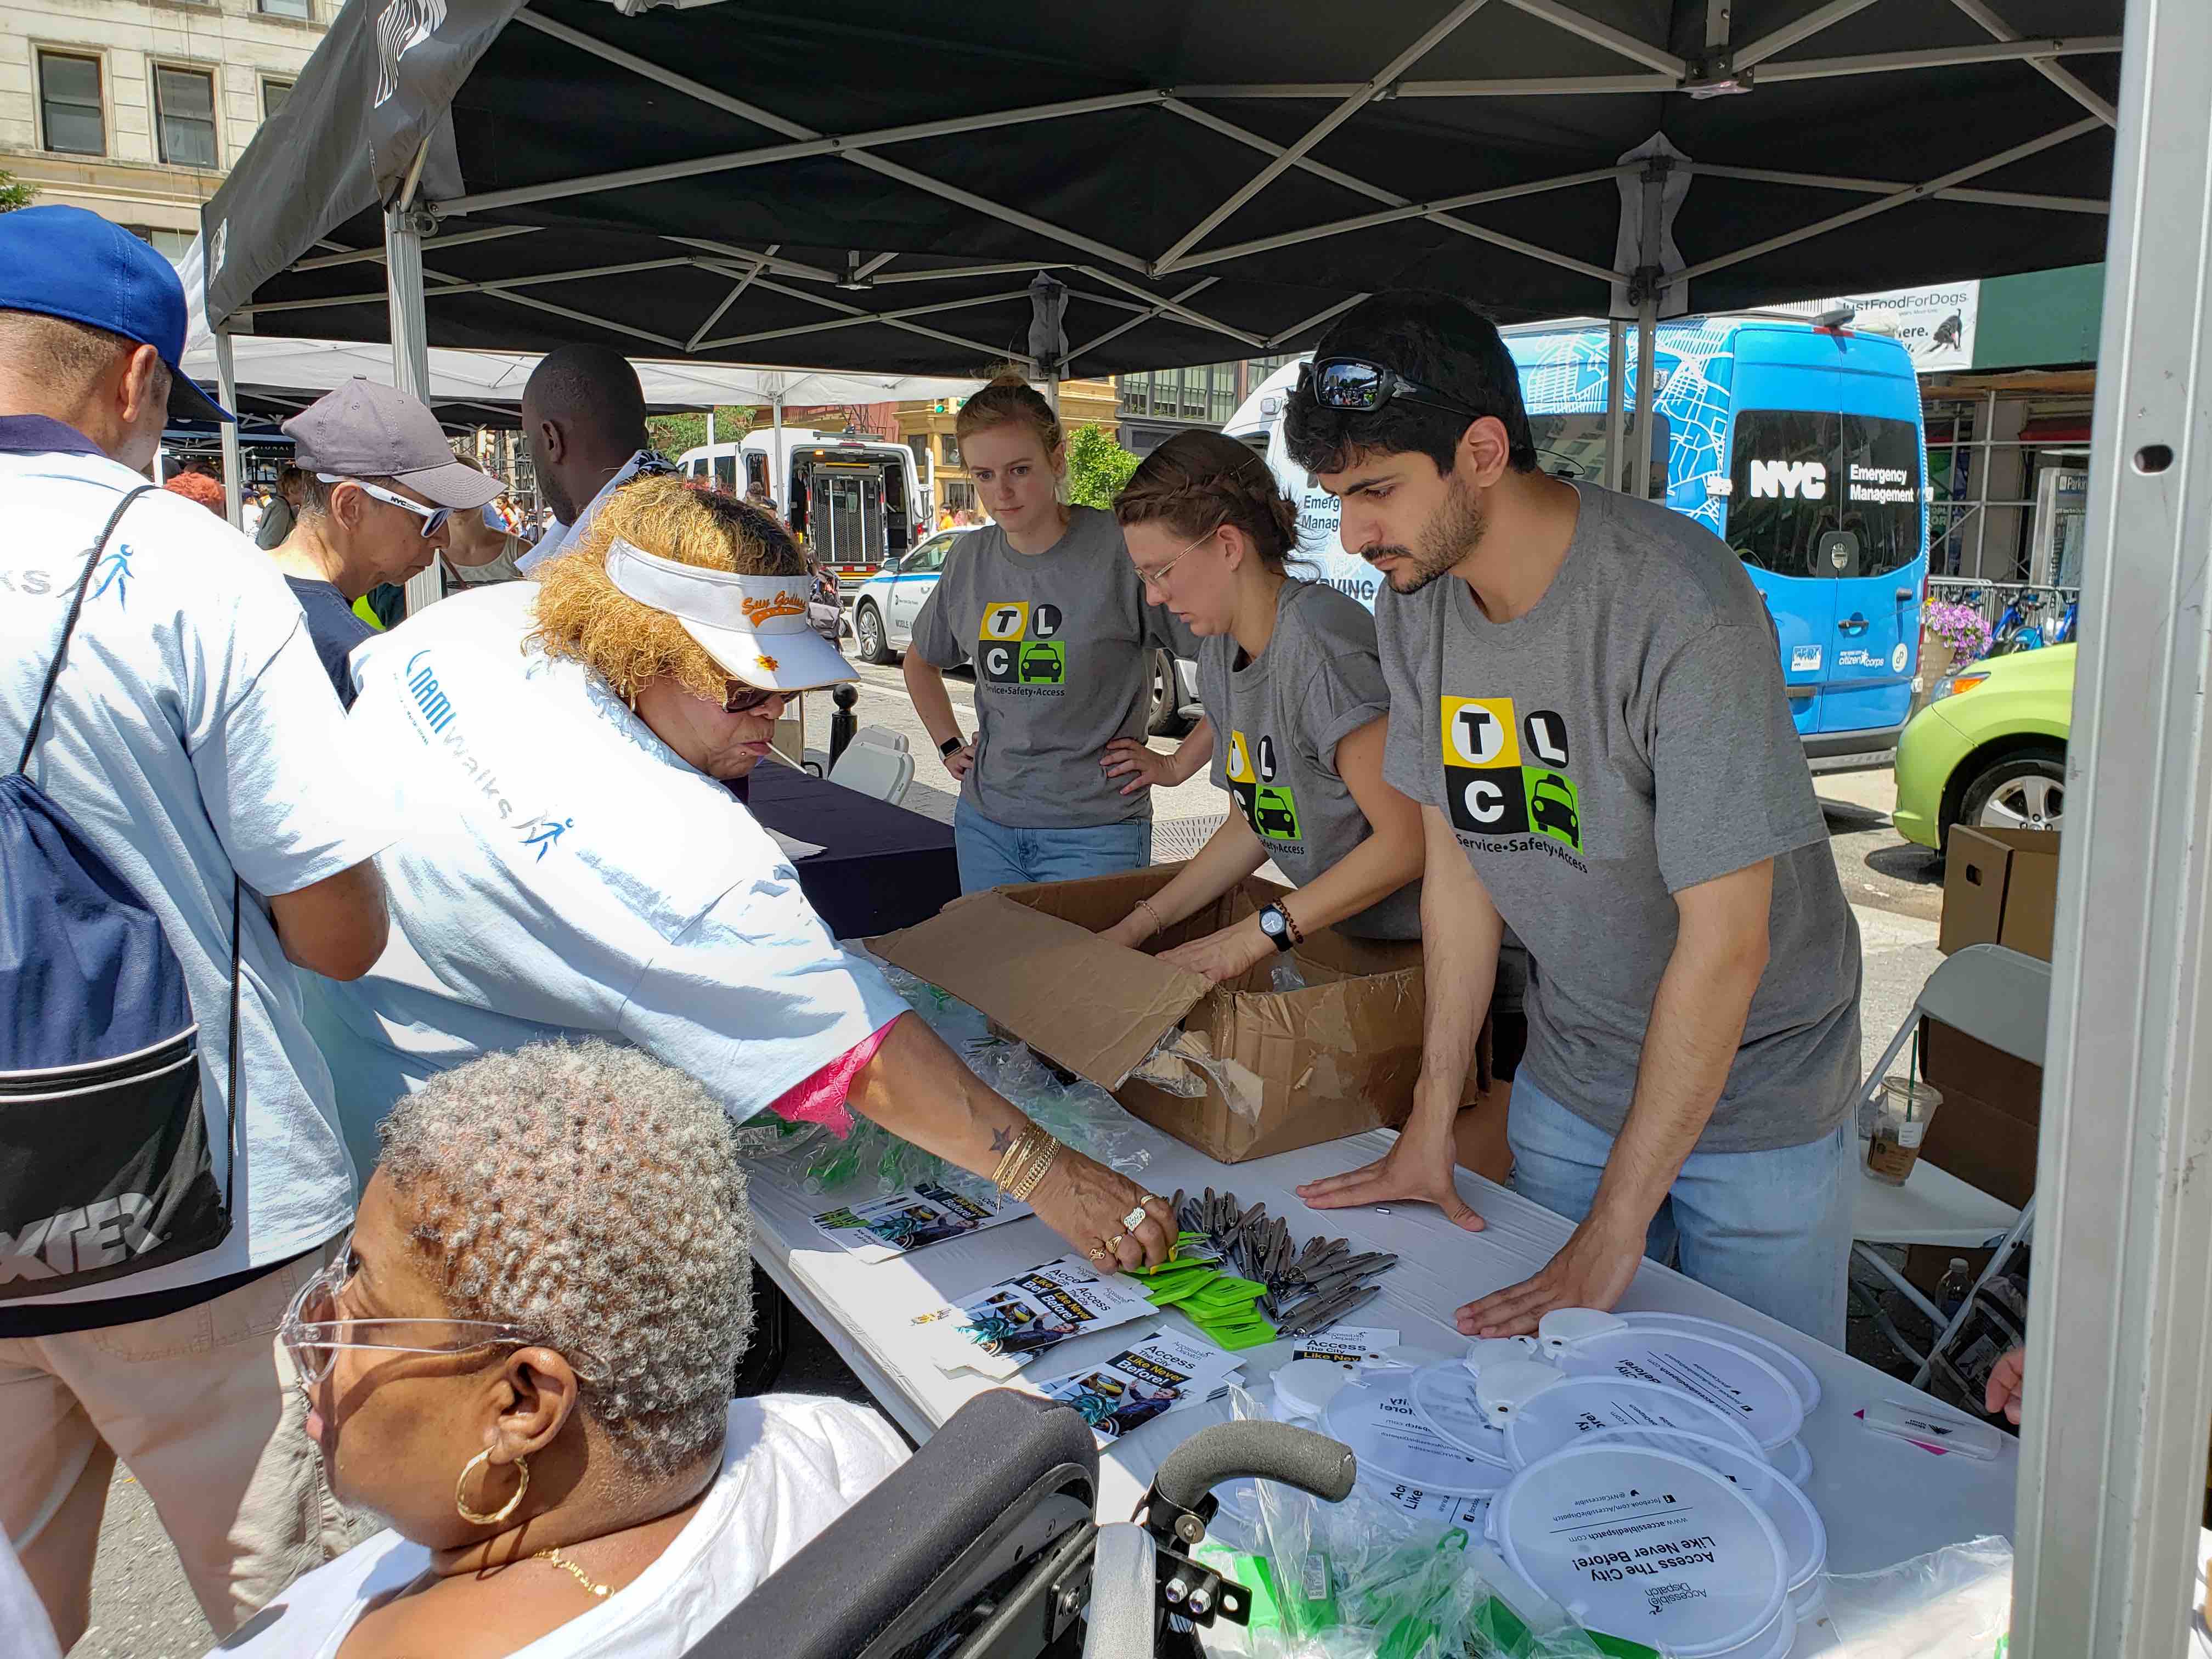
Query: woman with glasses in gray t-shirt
point(1289, 678)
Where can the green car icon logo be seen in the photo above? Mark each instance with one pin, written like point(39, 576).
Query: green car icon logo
point(1551, 803)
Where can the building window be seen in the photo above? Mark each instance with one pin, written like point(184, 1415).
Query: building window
point(171, 245)
point(273, 95)
point(952, 450)
point(301, 8)
point(184, 106)
point(919, 443)
point(68, 104)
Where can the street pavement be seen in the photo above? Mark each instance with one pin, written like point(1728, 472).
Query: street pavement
point(141, 1608)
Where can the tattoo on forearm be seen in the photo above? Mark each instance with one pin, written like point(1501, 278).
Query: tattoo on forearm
point(1001, 1139)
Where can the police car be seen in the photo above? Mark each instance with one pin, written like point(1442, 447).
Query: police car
point(885, 605)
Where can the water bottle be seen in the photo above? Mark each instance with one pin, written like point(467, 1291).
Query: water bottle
point(1958, 1283)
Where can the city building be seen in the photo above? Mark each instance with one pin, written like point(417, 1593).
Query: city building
point(925, 427)
point(136, 108)
point(1155, 404)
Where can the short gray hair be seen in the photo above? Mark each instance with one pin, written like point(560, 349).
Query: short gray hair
point(590, 1192)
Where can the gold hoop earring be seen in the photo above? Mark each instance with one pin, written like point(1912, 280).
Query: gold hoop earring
point(461, 1485)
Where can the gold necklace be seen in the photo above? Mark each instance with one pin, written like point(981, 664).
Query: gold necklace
point(548, 1554)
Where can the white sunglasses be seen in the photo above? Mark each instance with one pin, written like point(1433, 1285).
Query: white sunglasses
point(434, 518)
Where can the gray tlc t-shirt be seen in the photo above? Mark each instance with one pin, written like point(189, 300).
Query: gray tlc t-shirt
point(1062, 642)
point(1277, 722)
point(1627, 739)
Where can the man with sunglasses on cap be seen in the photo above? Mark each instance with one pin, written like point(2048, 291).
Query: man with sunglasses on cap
point(378, 482)
point(193, 740)
point(1587, 699)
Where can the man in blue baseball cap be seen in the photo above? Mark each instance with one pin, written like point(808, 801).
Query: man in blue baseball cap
point(160, 686)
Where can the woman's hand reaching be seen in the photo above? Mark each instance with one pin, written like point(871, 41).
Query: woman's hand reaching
point(1088, 1204)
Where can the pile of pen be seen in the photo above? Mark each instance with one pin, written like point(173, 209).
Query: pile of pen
point(1309, 1286)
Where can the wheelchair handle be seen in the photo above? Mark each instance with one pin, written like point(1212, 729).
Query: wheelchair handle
point(1269, 1451)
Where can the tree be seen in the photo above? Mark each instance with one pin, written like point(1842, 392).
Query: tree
point(672, 434)
point(1097, 467)
point(14, 193)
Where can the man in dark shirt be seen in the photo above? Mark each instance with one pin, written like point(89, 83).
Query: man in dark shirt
point(377, 482)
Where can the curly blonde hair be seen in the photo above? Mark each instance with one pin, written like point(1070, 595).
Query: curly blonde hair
point(583, 616)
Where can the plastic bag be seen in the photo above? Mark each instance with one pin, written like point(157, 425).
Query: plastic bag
point(1365, 1578)
point(872, 1159)
point(1953, 1603)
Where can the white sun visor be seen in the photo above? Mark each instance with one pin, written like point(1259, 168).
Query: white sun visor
point(756, 627)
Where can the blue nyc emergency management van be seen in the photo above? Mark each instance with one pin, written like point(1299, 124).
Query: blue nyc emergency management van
point(1800, 445)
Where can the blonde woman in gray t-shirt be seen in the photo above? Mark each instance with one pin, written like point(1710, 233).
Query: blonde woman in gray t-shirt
point(1289, 676)
point(1044, 604)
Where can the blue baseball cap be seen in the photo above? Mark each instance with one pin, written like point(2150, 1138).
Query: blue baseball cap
point(65, 262)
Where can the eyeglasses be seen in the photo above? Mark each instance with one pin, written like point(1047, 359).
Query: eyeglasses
point(1358, 385)
point(741, 699)
point(312, 1331)
point(434, 518)
point(1157, 579)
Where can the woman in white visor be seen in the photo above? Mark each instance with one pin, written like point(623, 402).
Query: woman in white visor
point(574, 864)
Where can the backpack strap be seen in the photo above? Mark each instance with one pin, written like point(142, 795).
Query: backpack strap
point(69, 627)
point(237, 892)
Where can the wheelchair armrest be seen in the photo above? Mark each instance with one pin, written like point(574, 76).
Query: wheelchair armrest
point(902, 1558)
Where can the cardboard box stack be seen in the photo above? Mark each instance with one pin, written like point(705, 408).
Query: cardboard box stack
point(1268, 1071)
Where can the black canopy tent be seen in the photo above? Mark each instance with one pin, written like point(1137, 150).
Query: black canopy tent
point(871, 187)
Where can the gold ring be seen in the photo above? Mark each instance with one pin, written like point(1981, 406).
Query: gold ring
point(1096, 1250)
point(1114, 1243)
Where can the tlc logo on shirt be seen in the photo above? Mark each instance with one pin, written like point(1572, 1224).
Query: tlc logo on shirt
point(1019, 647)
point(1504, 773)
point(1269, 807)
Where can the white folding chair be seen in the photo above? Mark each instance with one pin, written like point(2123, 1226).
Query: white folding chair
point(1995, 996)
point(883, 772)
point(882, 737)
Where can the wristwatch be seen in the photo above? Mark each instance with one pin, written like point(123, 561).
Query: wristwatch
point(951, 745)
point(1275, 923)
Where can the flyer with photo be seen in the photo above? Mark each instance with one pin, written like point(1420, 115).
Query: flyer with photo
point(1147, 1380)
point(909, 1220)
point(1349, 1345)
point(1001, 1329)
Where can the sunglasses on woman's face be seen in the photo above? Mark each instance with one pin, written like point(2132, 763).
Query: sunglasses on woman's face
point(742, 699)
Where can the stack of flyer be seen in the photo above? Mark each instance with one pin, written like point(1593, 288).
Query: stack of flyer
point(908, 1220)
point(1003, 1327)
point(1148, 1379)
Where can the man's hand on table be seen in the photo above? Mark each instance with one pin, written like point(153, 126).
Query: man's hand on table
point(1419, 1166)
point(1592, 1269)
point(1085, 1203)
point(2004, 1392)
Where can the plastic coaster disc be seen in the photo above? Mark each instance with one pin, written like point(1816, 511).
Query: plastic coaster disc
point(1796, 1522)
point(1709, 1364)
point(1794, 1461)
point(1650, 1546)
point(1391, 1443)
point(1803, 1377)
point(1564, 1413)
point(1443, 1399)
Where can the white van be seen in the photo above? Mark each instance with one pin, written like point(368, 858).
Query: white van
point(856, 501)
point(1258, 422)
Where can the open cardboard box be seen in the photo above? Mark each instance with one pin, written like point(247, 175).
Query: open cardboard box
point(2000, 887)
point(1278, 1070)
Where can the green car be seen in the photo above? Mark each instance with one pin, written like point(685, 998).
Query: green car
point(1993, 752)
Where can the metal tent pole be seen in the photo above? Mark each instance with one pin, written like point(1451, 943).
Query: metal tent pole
point(779, 482)
point(1616, 375)
point(411, 342)
point(2119, 1349)
point(1647, 331)
point(233, 457)
point(710, 447)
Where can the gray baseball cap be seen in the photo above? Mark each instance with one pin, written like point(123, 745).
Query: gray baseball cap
point(366, 430)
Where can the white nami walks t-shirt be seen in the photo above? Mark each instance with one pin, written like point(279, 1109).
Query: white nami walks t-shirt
point(790, 1464)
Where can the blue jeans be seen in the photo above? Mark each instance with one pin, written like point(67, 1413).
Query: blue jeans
point(1772, 1228)
point(993, 854)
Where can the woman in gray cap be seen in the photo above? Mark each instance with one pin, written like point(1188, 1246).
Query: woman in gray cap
point(377, 482)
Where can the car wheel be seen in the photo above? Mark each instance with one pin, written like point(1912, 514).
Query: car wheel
point(2023, 790)
point(1161, 720)
point(868, 631)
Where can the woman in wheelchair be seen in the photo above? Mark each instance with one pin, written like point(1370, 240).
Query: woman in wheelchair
point(521, 1359)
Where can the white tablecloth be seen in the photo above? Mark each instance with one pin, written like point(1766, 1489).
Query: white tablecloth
point(1883, 1499)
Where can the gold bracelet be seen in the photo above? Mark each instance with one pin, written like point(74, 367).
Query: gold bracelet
point(1029, 1145)
point(1145, 905)
point(1048, 1155)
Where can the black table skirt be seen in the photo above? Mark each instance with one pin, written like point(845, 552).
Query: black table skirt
point(881, 866)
